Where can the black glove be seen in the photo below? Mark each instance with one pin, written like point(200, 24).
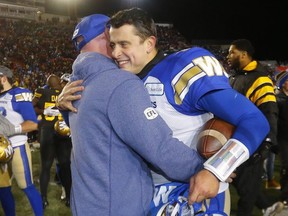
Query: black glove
point(274, 149)
point(262, 152)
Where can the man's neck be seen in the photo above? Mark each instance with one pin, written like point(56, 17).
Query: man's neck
point(6, 87)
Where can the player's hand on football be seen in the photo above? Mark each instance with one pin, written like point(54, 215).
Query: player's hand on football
point(67, 96)
point(203, 185)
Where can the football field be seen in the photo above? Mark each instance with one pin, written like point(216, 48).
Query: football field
point(57, 207)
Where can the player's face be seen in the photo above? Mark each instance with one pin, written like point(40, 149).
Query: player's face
point(129, 51)
point(233, 57)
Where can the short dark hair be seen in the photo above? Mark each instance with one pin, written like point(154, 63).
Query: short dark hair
point(137, 17)
point(244, 45)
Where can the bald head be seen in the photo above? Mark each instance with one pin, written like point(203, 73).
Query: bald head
point(54, 82)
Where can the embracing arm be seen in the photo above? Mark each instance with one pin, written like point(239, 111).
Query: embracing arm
point(143, 130)
point(67, 95)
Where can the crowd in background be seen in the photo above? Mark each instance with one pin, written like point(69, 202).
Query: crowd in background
point(34, 50)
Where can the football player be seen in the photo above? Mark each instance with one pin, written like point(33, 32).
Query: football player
point(17, 118)
point(52, 145)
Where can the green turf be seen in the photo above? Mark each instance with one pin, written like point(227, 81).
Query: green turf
point(57, 207)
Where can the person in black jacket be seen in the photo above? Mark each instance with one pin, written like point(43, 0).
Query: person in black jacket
point(52, 144)
point(282, 136)
point(251, 79)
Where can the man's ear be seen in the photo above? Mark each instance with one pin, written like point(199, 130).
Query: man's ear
point(244, 54)
point(151, 43)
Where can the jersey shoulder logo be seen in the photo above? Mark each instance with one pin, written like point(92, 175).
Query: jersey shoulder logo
point(24, 96)
point(150, 113)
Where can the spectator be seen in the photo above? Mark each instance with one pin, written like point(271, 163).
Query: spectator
point(252, 80)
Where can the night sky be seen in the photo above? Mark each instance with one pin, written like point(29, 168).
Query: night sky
point(264, 23)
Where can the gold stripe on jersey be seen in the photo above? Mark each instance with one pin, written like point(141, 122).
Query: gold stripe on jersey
point(37, 95)
point(261, 91)
point(183, 82)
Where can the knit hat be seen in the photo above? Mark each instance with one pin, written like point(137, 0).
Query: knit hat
point(281, 78)
point(4, 71)
point(89, 27)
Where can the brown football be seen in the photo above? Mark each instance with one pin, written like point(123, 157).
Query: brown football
point(213, 135)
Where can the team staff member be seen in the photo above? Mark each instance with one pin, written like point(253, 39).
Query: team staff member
point(134, 36)
point(51, 144)
point(251, 79)
point(17, 118)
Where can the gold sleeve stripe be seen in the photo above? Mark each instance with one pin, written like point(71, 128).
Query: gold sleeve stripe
point(266, 98)
point(183, 83)
point(261, 88)
point(37, 95)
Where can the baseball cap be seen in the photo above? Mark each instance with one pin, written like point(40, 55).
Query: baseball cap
point(4, 71)
point(281, 78)
point(89, 27)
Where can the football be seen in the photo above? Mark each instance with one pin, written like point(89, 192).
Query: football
point(213, 135)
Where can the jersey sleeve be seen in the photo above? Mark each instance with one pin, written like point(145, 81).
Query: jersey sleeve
point(231, 106)
point(23, 104)
point(140, 127)
point(38, 93)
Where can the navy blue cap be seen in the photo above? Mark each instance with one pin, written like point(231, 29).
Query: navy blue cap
point(89, 27)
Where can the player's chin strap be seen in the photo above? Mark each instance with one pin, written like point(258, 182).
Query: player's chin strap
point(227, 159)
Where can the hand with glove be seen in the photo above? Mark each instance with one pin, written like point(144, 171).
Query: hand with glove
point(7, 128)
point(49, 111)
point(263, 151)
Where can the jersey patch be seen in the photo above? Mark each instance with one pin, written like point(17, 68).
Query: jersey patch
point(150, 113)
point(155, 89)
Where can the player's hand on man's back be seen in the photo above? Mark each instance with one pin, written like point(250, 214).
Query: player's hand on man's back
point(67, 96)
point(203, 185)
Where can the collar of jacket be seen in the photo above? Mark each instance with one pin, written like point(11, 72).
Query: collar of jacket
point(251, 66)
point(160, 55)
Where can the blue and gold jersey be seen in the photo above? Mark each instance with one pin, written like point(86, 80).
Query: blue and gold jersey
point(177, 83)
point(175, 86)
point(16, 106)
